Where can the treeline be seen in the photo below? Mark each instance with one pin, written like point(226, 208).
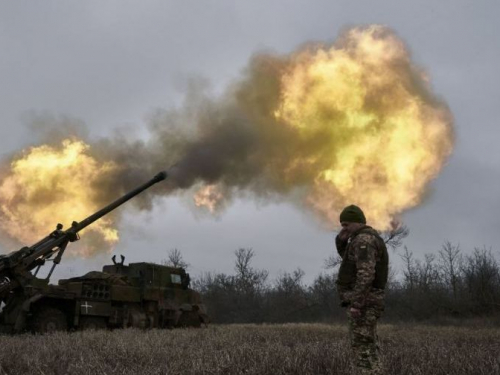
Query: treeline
point(448, 284)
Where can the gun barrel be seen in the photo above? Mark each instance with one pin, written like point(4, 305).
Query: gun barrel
point(110, 207)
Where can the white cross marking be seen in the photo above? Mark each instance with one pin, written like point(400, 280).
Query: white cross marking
point(86, 307)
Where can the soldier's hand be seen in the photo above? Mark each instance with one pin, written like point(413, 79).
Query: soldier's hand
point(355, 313)
point(343, 235)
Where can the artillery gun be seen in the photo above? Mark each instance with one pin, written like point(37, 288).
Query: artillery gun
point(141, 295)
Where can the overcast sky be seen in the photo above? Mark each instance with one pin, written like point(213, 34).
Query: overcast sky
point(111, 64)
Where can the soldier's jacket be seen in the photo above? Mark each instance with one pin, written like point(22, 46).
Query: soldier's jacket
point(363, 272)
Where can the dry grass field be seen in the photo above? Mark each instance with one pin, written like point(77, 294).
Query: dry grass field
point(250, 349)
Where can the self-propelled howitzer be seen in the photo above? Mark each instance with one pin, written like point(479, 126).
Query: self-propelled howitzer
point(20, 288)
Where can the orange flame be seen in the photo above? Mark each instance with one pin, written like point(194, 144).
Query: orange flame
point(209, 197)
point(387, 141)
point(49, 185)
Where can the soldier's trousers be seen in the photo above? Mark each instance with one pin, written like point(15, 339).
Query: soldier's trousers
point(363, 336)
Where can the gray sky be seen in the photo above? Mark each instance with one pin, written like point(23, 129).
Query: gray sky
point(110, 64)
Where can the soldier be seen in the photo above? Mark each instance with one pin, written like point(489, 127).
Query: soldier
point(360, 284)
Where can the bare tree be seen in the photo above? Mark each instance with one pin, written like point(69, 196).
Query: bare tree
point(289, 283)
point(395, 237)
point(450, 262)
point(481, 275)
point(242, 262)
point(249, 279)
point(175, 259)
point(332, 261)
point(410, 270)
point(391, 277)
point(428, 275)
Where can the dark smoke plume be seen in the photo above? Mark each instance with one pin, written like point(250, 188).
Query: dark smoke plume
point(353, 122)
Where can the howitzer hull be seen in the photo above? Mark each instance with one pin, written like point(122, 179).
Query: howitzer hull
point(141, 295)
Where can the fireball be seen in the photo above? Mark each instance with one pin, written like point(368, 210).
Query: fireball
point(47, 185)
point(385, 136)
point(209, 197)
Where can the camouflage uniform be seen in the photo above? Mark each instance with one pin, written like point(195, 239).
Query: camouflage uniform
point(360, 284)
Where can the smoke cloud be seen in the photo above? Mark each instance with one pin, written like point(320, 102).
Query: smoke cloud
point(323, 127)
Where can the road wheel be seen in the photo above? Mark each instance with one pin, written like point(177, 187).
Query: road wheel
point(189, 319)
point(88, 323)
point(167, 318)
point(49, 319)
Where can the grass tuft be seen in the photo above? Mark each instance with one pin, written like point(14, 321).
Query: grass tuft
point(250, 349)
